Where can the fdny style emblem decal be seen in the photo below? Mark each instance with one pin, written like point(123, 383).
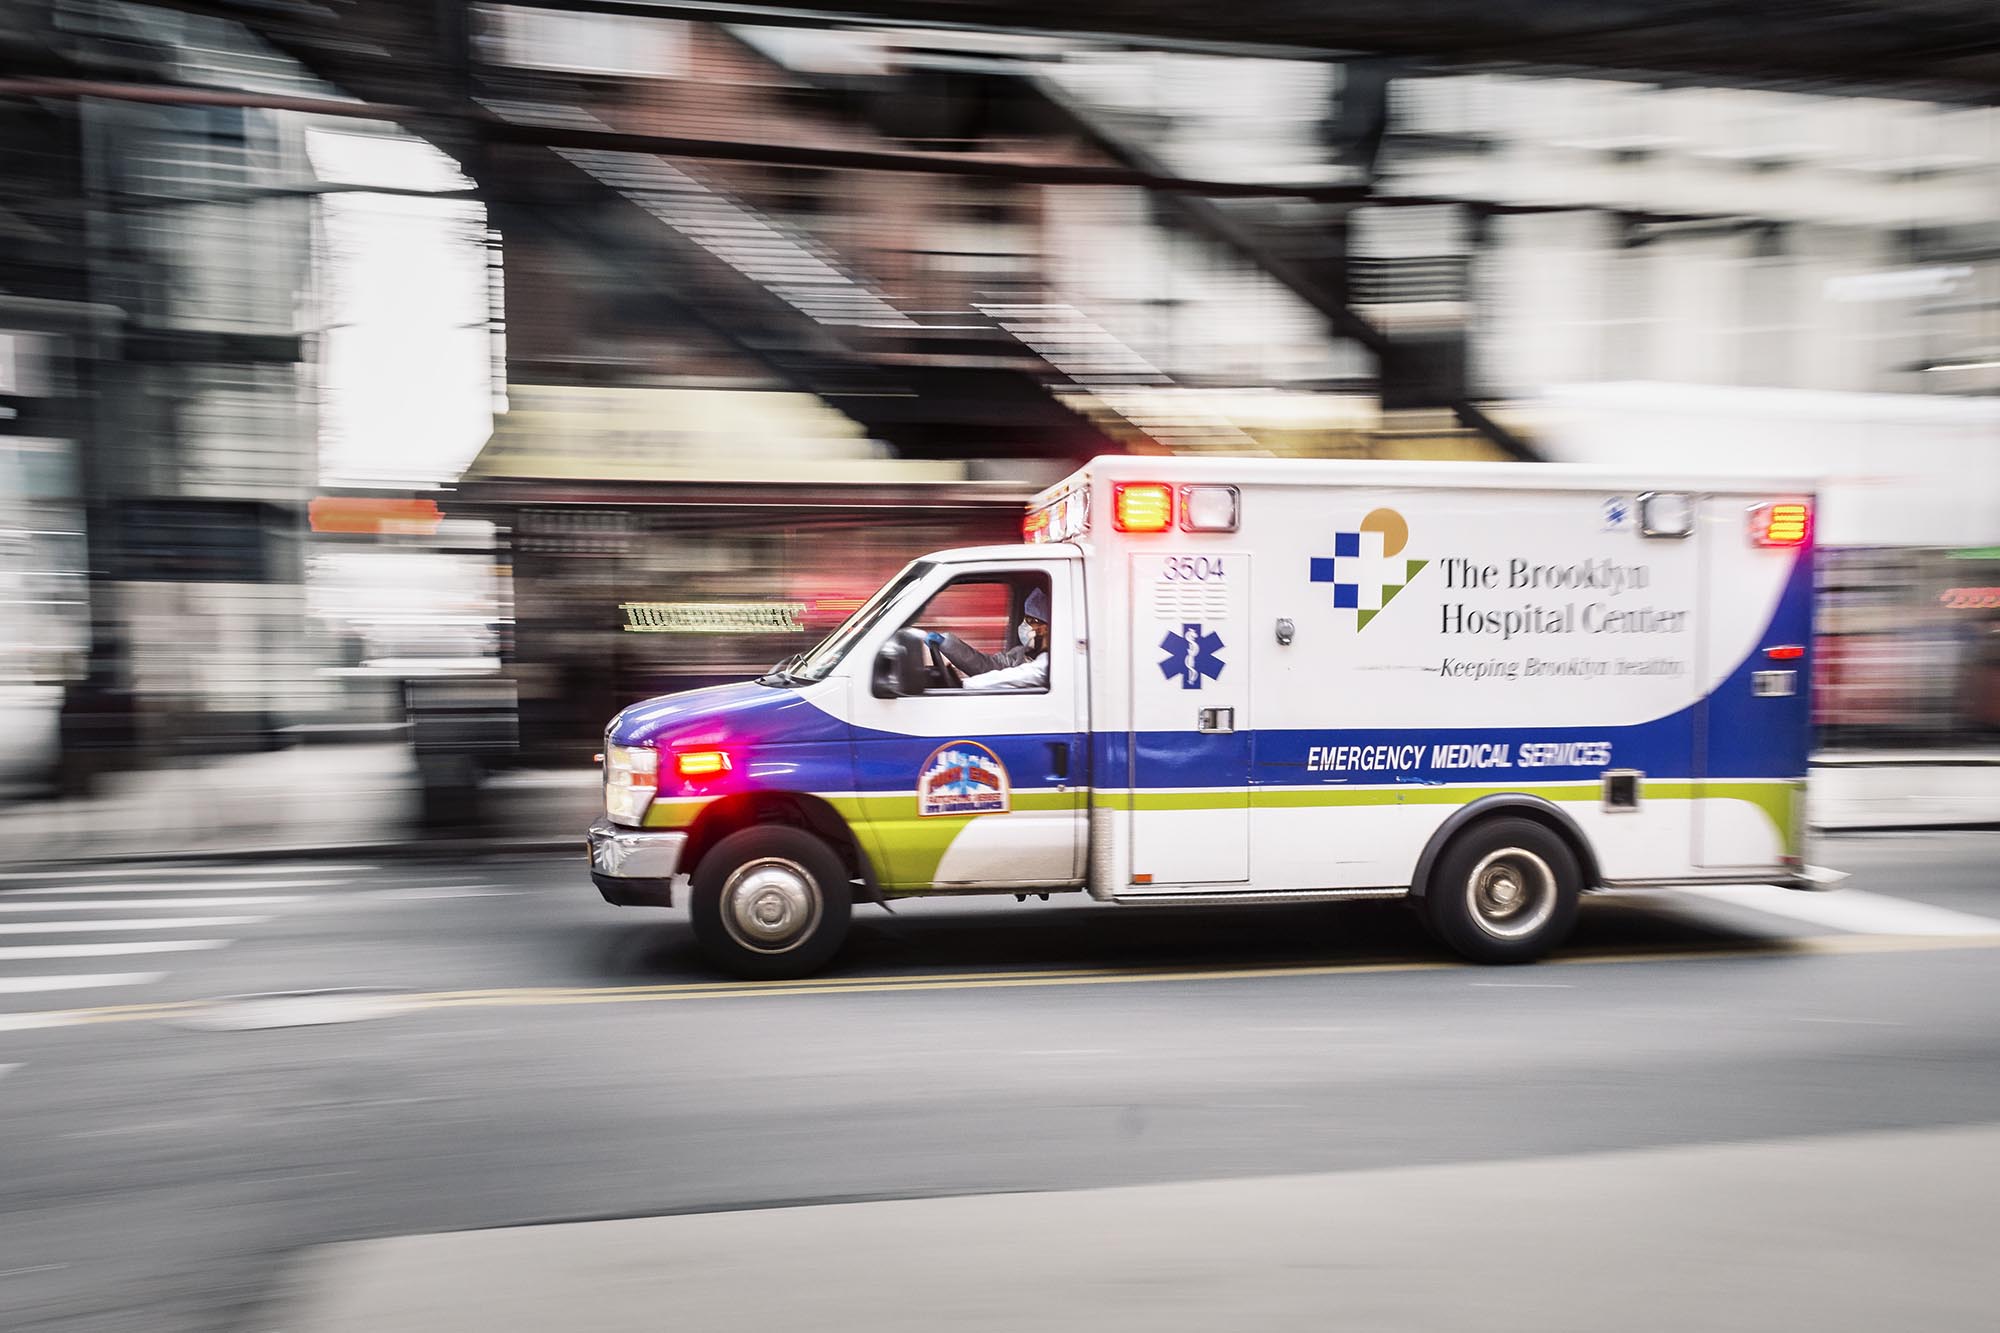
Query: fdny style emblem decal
point(962, 778)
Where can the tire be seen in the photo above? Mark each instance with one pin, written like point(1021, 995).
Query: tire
point(770, 902)
point(1505, 891)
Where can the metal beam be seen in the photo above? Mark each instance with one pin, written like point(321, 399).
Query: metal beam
point(1864, 48)
point(1026, 171)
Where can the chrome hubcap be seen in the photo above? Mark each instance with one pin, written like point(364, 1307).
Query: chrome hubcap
point(770, 905)
point(1512, 892)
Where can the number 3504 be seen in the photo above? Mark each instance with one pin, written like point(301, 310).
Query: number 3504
point(1193, 568)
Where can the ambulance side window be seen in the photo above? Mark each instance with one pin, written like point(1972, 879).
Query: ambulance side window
point(976, 623)
point(974, 609)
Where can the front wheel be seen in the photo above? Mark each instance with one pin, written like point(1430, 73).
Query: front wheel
point(770, 902)
point(1505, 891)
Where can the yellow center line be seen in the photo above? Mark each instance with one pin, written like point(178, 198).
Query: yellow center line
point(753, 987)
point(552, 996)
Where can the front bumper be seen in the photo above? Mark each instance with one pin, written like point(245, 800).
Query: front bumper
point(634, 867)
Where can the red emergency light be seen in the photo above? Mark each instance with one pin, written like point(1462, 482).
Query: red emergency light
point(701, 763)
point(1142, 506)
point(1786, 524)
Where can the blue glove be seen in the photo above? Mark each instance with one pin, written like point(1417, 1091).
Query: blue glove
point(934, 639)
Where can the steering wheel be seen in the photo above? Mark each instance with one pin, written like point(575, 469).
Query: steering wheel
point(943, 673)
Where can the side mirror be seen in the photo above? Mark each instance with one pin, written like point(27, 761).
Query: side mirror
point(899, 668)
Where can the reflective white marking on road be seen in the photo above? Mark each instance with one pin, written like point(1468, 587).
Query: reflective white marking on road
point(244, 886)
point(172, 872)
point(134, 923)
point(130, 904)
point(112, 950)
point(84, 981)
point(1854, 910)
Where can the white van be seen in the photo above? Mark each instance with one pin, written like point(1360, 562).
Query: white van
point(1487, 687)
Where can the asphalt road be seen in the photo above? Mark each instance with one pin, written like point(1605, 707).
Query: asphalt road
point(510, 1050)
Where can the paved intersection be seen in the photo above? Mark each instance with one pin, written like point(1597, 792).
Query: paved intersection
point(532, 1055)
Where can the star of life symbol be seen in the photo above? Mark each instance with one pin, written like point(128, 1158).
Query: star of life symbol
point(1191, 656)
point(1367, 568)
point(1617, 512)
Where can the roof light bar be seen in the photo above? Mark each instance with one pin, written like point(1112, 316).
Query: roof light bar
point(1142, 506)
point(1209, 508)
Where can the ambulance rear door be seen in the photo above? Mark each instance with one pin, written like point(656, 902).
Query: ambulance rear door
point(1755, 718)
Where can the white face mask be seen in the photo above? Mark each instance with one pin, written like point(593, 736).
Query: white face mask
point(1027, 635)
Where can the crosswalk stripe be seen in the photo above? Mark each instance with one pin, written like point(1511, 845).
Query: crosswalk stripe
point(134, 923)
point(128, 904)
point(245, 886)
point(82, 981)
point(22, 951)
point(1854, 910)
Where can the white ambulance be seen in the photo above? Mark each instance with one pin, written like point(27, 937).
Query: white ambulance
point(1488, 688)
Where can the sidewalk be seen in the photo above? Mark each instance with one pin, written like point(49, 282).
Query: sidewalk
point(1754, 1236)
point(356, 797)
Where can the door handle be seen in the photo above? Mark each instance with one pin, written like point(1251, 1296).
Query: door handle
point(1216, 721)
point(1059, 759)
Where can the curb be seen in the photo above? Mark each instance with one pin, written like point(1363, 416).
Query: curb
point(1962, 826)
point(1935, 761)
point(440, 849)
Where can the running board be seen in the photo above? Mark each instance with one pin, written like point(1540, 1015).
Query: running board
point(1231, 896)
point(1810, 878)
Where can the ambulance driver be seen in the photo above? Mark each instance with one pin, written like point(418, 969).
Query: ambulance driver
point(1024, 666)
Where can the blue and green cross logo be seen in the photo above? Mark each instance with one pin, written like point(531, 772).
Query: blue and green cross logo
point(1367, 568)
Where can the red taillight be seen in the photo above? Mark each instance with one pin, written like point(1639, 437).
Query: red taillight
point(1786, 524)
point(1785, 652)
point(701, 763)
point(1142, 506)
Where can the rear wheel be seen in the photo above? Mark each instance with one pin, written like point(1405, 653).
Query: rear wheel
point(770, 902)
point(1505, 891)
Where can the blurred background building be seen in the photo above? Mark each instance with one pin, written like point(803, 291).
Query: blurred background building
point(456, 373)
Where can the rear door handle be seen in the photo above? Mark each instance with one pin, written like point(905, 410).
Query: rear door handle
point(1059, 759)
point(1216, 721)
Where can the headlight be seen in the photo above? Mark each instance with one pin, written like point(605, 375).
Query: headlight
point(631, 778)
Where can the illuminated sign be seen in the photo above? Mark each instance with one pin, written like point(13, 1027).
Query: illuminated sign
point(1971, 599)
point(373, 515)
point(713, 617)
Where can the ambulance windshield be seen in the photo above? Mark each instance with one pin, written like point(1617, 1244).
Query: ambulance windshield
point(816, 664)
